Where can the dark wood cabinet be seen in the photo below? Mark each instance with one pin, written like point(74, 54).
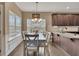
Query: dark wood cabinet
point(77, 20)
point(65, 19)
point(60, 19)
point(54, 19)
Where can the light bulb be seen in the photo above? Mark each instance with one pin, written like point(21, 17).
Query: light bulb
point(32, 19)
point(35, 19)
point(67, 7)
point(40, 19)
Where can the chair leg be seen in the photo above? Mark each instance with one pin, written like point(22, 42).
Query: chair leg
point(44, 48)
point(37, 51)
point(44, 51)
point(24, 49)
point(27, 52)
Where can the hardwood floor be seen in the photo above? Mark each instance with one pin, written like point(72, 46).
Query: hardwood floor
point(55, 50)
point(32, 53)
point(51, 50)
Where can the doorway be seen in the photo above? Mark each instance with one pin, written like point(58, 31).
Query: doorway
point(1, 29)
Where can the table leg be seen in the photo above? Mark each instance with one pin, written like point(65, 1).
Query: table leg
point(38, 51)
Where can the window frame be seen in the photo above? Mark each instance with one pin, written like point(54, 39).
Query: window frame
point(14, 16)
point(38, 25)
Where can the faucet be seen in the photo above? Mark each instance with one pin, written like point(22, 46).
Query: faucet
point(63, 29)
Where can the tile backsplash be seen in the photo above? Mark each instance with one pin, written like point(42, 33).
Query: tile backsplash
point(65, 28)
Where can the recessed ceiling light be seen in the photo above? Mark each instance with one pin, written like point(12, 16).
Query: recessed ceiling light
point(67, 7)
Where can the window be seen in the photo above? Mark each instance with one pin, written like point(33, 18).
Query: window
point(33, 26)
point(14, 24)
point(11, 23)
point(18, 24)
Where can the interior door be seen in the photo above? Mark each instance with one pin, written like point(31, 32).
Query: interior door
point(1, 30)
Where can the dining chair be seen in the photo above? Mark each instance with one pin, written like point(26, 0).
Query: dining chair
point(46, 42)
point(52, 37)
point(48, 35)
point(48, 38)
point(23, 36)
point(31, 43)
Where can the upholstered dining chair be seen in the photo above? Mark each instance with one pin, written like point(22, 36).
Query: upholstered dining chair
point(31, 44)
point(48, 38)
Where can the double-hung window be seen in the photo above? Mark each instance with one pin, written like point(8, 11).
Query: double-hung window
point(14, 24)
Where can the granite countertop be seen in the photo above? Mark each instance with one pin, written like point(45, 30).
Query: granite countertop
point(68, 35)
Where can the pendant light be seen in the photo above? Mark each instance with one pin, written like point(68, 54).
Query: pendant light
point(36, 16)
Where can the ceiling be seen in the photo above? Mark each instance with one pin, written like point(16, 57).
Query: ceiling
point(49, 6)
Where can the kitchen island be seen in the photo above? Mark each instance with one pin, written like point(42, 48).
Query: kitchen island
point(67, 41)
point(67, 35)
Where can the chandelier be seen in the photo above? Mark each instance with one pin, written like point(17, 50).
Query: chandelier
point(36, 16)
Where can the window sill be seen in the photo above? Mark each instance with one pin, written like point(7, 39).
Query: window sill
point(13, 42)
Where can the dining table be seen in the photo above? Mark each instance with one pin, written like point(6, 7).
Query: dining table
point(41, 35)
point(41, 41)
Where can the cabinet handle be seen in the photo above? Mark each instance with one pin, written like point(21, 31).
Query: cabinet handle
point(72, 40)
point(58, 35)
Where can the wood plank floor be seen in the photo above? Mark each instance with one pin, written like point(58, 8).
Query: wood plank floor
point(52, 50)
point(55, 50)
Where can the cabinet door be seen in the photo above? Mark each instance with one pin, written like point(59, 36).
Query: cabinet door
point(66, 20)
point(75, 17)
point(57, 20)
point(71, 20)
point(54, 20)
point(76, 20)
point(60, 20)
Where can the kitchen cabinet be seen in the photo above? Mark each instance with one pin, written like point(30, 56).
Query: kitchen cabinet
point(54, 20)
point(59, 20)
point(67, 44)
point(65, 19)
point(77, 20)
